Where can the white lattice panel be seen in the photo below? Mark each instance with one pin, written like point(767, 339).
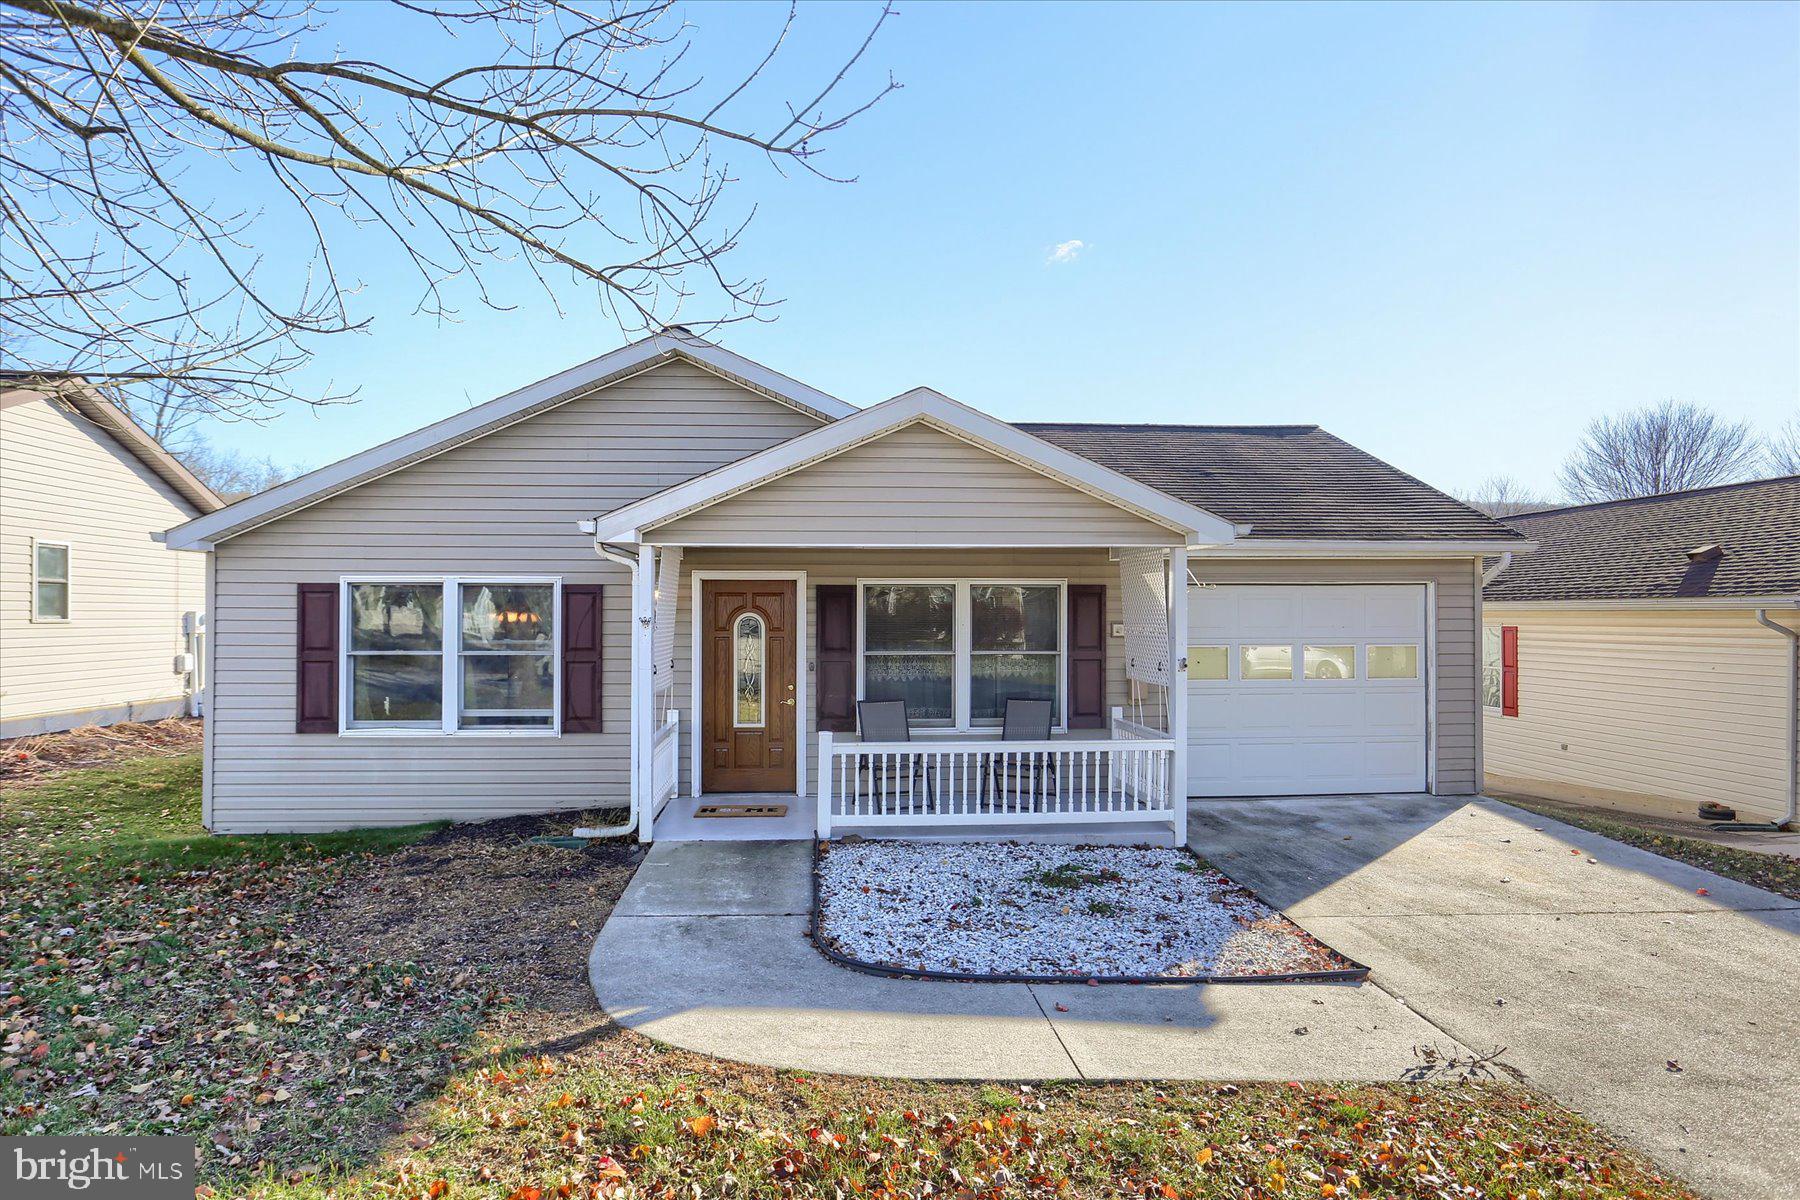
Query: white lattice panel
point(1144, 596)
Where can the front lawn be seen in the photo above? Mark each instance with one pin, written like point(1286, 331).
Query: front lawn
point(404, 1014)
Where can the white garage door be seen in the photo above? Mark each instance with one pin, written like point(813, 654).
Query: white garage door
point(1300, 690)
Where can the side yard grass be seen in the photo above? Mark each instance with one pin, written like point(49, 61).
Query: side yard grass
point(405, 1014)
point(1778, 873)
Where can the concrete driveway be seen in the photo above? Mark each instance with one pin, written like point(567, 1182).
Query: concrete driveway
point(1593, 963)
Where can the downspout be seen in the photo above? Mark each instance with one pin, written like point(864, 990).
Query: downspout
point(1493, 572)
point(630, 563)
point(1793, 724)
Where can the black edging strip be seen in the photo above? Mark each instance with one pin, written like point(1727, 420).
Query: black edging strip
point(1354, 973)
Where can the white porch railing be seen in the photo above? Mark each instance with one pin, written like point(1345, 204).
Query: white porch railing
point(665, 759)
point(1038, 784)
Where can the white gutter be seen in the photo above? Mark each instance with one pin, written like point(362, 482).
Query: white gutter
point(630, 563)
point(1493, 572)
point(1793, 714)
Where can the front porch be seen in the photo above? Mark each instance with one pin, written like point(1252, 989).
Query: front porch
point(924, 554)
point(1111, 785)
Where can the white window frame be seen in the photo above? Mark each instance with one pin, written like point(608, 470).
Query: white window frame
point(451, 650)
point(1499, 669)
point(68, 581)
point(962, 653)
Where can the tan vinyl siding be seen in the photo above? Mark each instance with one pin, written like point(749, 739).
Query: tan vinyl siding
point(63, 479)
point(915, 485)
point(1648, 709)
point(849, 566)
point(1456, 723)
point(506, 503)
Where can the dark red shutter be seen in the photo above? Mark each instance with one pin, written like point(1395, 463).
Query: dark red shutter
point(1087, 656)
point(1509, 670)
point(583, 632)
point(837, 657)
point(316, 655)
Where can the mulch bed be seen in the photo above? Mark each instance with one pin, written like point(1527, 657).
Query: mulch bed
point(1032, 910)
point(49, 755)
point(484, 896)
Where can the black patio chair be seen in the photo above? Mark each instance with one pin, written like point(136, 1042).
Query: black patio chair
point(886, 721)
point(1026, 721)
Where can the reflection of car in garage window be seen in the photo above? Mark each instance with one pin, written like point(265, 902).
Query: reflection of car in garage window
point(1330, 662)
point(1265, 662)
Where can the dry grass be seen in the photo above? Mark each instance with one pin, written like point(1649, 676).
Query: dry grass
point(404, 1014)
point(48, 755)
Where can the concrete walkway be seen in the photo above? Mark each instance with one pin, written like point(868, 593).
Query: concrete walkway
point(707, 950)
point(1594, 964)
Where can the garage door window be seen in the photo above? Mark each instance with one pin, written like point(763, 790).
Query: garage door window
point(1393, 662)
point(1209, 663)
point(1330, 662)
point(1265, 662)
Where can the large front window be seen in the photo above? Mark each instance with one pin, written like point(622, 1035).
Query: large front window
point(957, 650)
point(909, 648)
point(1015, 633)
point(496, 659)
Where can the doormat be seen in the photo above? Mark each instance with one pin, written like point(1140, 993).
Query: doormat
point(741, 810)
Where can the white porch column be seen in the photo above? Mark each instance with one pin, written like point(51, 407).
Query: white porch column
point(1178, 689)
point(643, 609)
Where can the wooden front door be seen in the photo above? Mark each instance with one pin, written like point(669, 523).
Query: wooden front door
point(747, 630)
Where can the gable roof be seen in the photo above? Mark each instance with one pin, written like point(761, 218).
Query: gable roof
point(1638, 549)
point(645, 354)
point(87, 402)
point(1287, 482)
point(939, 411)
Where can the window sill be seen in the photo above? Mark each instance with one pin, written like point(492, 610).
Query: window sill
point(458, 733)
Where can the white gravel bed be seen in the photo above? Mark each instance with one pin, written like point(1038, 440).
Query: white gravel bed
point(1032, 908)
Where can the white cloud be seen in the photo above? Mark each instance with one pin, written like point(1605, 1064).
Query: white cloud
point(1066, 252)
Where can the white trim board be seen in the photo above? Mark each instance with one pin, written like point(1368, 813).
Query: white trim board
point(1274, 548)
point(434, 439)
point(635, 522)
point(696, 685)
point(1650, 604)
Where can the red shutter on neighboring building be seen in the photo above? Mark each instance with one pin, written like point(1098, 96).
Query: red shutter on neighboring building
point(836, 657)
point(316, 655)
point(1509, 670)
point(1087, 656)
point(583, 635)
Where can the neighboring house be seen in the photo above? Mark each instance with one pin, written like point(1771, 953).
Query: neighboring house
point(667, 575)
point(1644, 655)
point(96, 617)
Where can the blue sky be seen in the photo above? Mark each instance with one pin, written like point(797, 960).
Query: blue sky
point(1450, 234)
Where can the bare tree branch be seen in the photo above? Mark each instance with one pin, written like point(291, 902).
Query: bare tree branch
point(1666, 448)
point(567, 139)
point(1503, 496)
point(1784, 449)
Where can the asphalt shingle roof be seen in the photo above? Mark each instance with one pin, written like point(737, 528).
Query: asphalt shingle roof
point(1286, 481)
point(1637, 549)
